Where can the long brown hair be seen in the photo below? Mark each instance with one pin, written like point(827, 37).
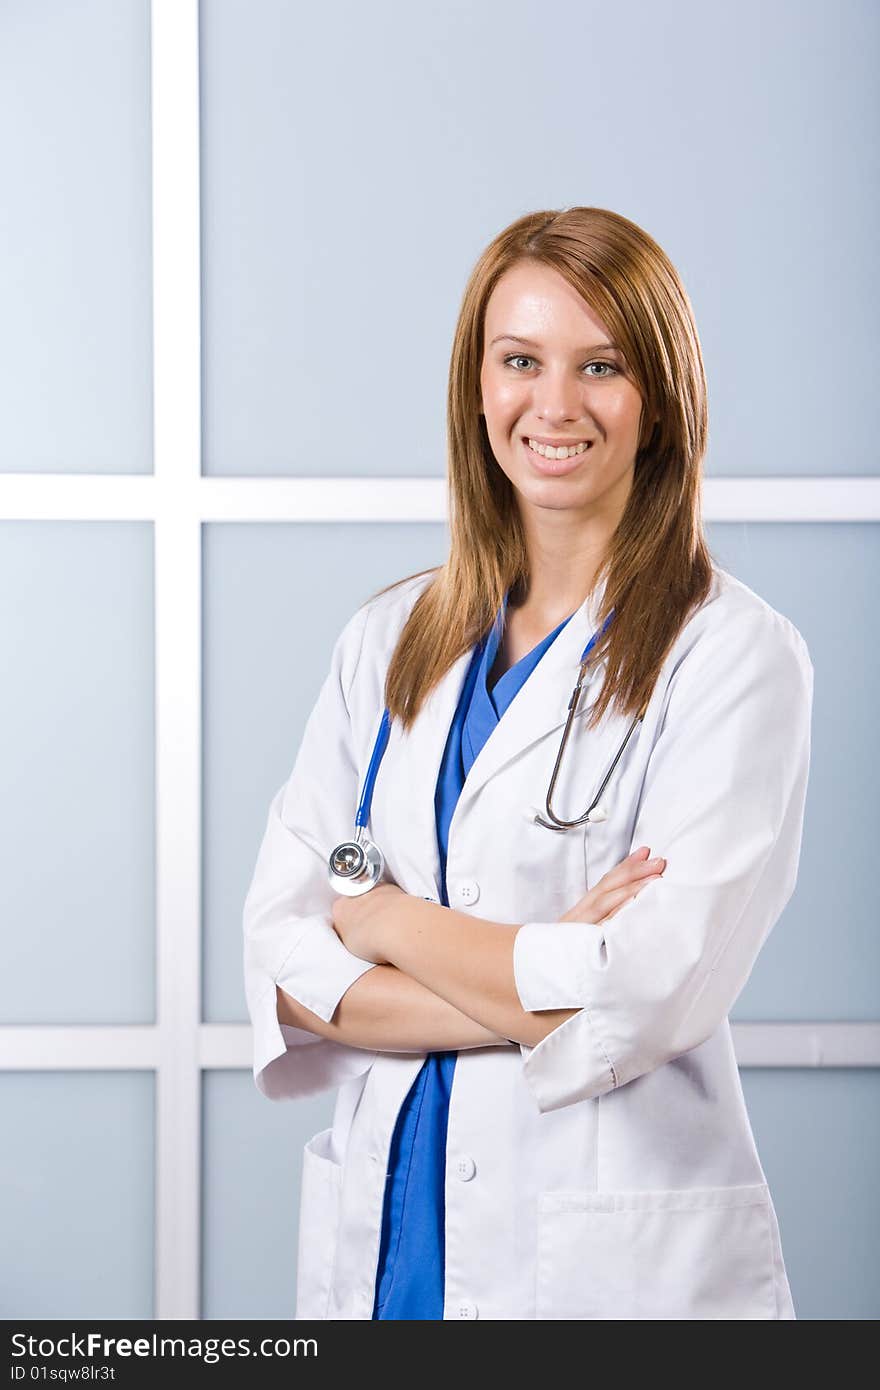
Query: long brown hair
point(658, 567)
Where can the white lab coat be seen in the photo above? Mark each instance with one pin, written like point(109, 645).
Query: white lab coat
point(609, 1172)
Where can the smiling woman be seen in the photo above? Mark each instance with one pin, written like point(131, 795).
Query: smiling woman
point(575, 330)
point(516, 967)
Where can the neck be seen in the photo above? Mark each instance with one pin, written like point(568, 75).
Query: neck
point(564, 560)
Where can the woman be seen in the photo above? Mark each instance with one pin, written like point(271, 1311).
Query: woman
point(539, 1111)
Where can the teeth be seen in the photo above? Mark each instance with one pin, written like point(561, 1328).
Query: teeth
point(548, 452)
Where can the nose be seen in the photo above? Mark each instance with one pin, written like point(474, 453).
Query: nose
point(558, 399)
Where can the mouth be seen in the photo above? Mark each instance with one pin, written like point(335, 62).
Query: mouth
point(553, 467)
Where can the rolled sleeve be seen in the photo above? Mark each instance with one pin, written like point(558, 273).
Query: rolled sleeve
point(549, 973)
point(320, 969)
point(289, 1063)
point(723, 800)
point(548, 964)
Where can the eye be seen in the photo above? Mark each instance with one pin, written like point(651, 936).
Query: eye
point(611, 369)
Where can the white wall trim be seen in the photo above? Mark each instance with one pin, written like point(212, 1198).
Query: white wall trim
point(178, 600)
point(78, 1047)
point(806, 1044)
point(755, 1044)
point(100, 497)
point(229, 1046)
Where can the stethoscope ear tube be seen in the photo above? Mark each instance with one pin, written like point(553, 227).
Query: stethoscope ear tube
point(593, 812)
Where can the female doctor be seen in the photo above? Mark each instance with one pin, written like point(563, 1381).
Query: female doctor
point(546, 809)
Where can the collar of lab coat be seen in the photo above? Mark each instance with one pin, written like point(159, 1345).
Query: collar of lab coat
point(539, 708)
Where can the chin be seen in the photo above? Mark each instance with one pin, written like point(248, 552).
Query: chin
point(551, 496)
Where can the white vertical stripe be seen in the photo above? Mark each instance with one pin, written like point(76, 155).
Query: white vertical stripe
point(177, 464)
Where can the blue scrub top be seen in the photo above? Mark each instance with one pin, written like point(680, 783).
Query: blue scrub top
point(410, 1276)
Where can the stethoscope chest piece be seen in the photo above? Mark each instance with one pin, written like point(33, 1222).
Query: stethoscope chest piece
point(354, 867)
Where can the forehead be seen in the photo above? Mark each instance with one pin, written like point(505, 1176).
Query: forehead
point(530, 301)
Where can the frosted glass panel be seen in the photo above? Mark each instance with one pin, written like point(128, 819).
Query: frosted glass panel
point(276, 597)
point(818, 1136)
point(251, 1181)
point(342, 217)
point(822, 959)
point(76, 1195)
point(75, 237)
point(77, 822)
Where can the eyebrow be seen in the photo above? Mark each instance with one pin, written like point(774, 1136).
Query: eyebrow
point(527, 342)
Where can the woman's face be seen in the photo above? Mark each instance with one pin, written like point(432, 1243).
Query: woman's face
point(562, 384)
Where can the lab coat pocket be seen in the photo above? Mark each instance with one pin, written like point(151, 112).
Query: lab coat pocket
point(318, 1227)
point(698, 1253)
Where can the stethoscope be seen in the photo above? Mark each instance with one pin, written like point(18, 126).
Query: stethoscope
point(356, 866)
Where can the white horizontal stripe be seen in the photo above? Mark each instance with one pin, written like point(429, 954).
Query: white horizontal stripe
point(99, 497)
point(807, 1044)
point(756, 1044)
point(222, 1046)
point(46, 1047)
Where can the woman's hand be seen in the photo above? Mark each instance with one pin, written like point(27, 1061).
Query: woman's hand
point(626, 880)
point(357, 921)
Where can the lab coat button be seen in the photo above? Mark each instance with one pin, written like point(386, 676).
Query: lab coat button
point(466, 1309)
point(465, 1167)
point(468, 891)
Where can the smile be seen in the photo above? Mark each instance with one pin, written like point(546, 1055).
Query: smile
point(548, 451)
point(554, 463)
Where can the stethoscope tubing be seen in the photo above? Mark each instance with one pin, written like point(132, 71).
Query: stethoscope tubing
point(366, 801)
point(562, 825)
point(368, 866)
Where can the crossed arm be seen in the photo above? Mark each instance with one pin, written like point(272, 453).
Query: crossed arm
point(387, 1011)
point(443, 980)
